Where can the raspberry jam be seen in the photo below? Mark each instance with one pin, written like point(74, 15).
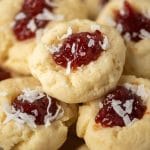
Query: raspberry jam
point(119, 108)
point(40, 106)
point(4, 74)
point(26, 26)
point(133, 23)
point(79, 49)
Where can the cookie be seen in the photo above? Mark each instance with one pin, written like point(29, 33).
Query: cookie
point(132, 19)
point(78, 61)
point(31, 119)
point(21, 21)
point(120, 119)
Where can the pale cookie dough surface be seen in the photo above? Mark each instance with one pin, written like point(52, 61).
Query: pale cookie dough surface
point(84, 84)
point(135, 136)
point(22, 137)
point(94, 7)
point(13, 53)
point(138, 53)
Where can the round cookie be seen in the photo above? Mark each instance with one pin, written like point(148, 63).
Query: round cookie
point(30, 119)
point(22, 20)
point(78, 60)
point(119, 120)
point(132, 19)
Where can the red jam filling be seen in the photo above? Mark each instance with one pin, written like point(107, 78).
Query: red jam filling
point(79, 49)
point(30, 9)
point(4, 74)
point(126, 102)
point(132, 22)
point(40, 106)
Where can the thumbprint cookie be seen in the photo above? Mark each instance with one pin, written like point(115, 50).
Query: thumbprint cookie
point(120, 120)
point(132, 20)
point(22, 22)
point(31, 119)
point(78, 61)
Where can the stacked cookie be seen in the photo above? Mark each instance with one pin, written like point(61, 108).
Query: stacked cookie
point(58, 60)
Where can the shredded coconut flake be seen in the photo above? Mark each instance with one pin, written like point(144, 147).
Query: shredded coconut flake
point(100, 105)
point(82, 53)
point(116, 106)
point(30, 95)
point(69, 32)
point(95, 27)
point(24, 118)
point(91, 43)
point(122, 12)
point(17, 116)
point(127, 37)
point(73, 48)
point(53, 49)
point(119, 28)
point(49, 118)
point(144, 34)
point(110, 96)
point(20, 16)
point(139, 90)
point(68, 70)
point(126, 120)
point(32, 26)
point(105, 43)
point(128, 106)
point(35, 112)
point(123, 113)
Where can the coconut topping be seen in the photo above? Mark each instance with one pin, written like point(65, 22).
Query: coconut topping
point(33, 108)
point(69, 32)
point(139, 90)
point(18, 116)
point(20, 16)
point(30, 95)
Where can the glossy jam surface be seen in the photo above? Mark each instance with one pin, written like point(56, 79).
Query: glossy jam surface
point(128, 104)
point(25, 27)
point(4, 74)
point(39, 106)
point(79, 49)
point(133, 23)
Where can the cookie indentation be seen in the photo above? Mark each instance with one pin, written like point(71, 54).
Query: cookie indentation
point(34, 15)
point(120, 107)
point(132, 24)
point(80, 49)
